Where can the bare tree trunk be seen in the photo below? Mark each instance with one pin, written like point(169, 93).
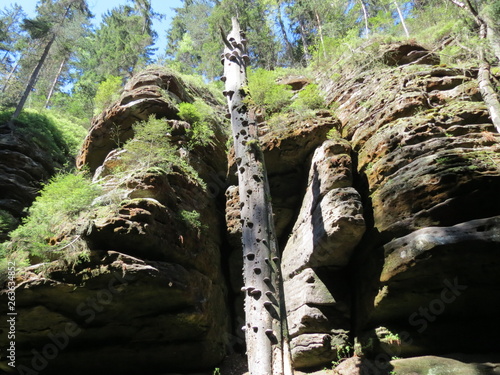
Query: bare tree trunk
point(4, 58)
point(33, 78)
point(305, 45)
point(320, 31)
point(365, 17)
point(265, 318)
point(289, 46)
point(402, 19)
point(493, 35)
point(11, 73)
point(488, 93)
point(54, 82)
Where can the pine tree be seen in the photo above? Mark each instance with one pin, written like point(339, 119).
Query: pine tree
point(120, 46)
point(52, 21)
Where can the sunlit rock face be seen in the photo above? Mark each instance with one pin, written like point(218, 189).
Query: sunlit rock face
point(151, 293)
point(390, 233)
point(154, 91)
point(428, 169)
point(386, 210)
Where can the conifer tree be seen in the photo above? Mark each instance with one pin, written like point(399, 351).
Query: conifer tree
point(49, 25)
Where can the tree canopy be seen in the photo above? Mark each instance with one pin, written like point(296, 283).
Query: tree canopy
point(283, 33)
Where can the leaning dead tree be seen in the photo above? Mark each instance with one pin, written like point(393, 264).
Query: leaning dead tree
point(265, 316)
point(486, 32)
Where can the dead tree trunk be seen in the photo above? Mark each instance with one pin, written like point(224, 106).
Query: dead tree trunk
point(488, 93)
point(365, 17)
point(54, 82)
point(402, 19)
point(265, 318)
point(289, 46)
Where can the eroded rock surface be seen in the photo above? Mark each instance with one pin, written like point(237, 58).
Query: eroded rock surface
point(118, 314)
point(24, 166)
point(429, 165)
point(150, 293)
point(389, 234)
point(152, 92)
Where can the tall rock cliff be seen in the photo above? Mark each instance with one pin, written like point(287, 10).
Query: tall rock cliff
point(149, 294)
point(385, 209)
point(391, 245)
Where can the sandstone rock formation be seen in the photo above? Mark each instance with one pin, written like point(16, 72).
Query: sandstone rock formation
point(428, 163)
point(24, 166)
point(417, 165)
point(150, 293)
point(151, 92)
point(389, 226)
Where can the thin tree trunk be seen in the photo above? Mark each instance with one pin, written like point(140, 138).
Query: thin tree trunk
point(11, 73)
point(305, 45)
point(289, 46)
point(488, 93)
point(33, 78)
point(493, 35)
point(402, 19)
point(365, 17)
point(265, 318)
point(320, 31)
point(5, 56)
point(36, 71)
point(54, 82)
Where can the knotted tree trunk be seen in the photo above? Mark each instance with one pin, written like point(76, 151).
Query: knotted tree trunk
point(265, 317)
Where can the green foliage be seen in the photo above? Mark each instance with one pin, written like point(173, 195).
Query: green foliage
point(60, 136)
point(151, 147)
point(107, 92)
point(198, 84)
point(71, 130)
point(342, 352)
point(333, 133)
point(279, 121)
point(278, 102)
point(191, 113)
point(266, 93)
point(192, 219)
point(198, 114)
point(7, 221)
point(60, 203)
point(308, 98)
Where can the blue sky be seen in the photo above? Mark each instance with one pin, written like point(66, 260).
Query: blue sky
point(99, 7)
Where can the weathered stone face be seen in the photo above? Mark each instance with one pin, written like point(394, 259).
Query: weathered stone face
point(151, 295)
point(389, 235)
point(152, 92)
point(114, 305)
point(328, 224)
point(328, 227)
point(24, 166)
point(429, 167)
